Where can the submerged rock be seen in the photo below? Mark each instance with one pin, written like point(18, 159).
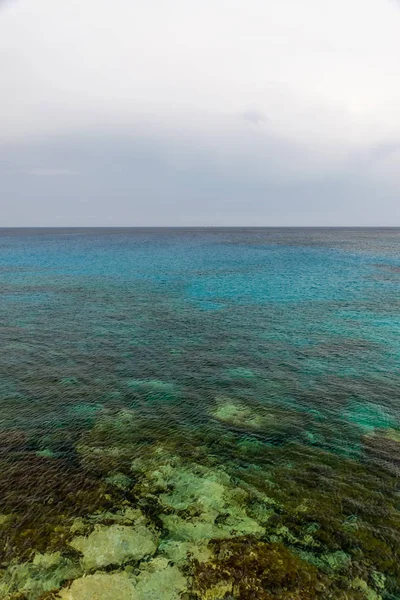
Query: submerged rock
point(235, 413)
point(115, 545)
point(182, 552)
point(124, 516)
point(196, 504)
point(154, 390)
point(234, 523)
point(100, 586)
point(46, 573)
point(158, 580)
point(269, 420)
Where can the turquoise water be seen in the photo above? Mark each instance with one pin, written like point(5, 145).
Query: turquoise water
point(238, 388)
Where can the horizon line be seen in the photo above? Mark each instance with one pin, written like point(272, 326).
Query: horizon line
point(6, 227)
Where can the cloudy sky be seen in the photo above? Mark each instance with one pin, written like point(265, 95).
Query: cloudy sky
point(199, 112)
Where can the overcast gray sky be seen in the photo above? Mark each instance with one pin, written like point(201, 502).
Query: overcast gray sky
point(206, 112)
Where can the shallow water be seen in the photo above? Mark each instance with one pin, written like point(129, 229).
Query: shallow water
point(237, 388)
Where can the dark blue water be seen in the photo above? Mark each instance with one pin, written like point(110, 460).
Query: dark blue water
point(266, 361)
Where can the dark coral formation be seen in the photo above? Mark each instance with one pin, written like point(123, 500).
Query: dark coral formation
point(41, 497)
point(253, 569)
point(248, 569)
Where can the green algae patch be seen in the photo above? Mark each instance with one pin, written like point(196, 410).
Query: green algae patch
point(4, 519)
point(115, 545)
point(67, 381)
point(119, 480)
point(367, 592)
point(329, 562)
point(251, 446)
point(46, 453)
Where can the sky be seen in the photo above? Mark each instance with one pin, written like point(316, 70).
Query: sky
point(211, 112)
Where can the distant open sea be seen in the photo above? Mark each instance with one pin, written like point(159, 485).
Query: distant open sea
point(200, 413)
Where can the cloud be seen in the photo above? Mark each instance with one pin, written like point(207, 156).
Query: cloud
point(52, 172)
point(253, 116)
point(132, 180)
point(80, 65)
point(185, 113)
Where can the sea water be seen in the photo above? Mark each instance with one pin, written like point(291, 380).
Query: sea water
point(200, 413)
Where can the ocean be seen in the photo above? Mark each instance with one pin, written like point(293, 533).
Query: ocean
point(200, 413)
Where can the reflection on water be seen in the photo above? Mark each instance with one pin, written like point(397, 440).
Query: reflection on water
point(200, 414)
